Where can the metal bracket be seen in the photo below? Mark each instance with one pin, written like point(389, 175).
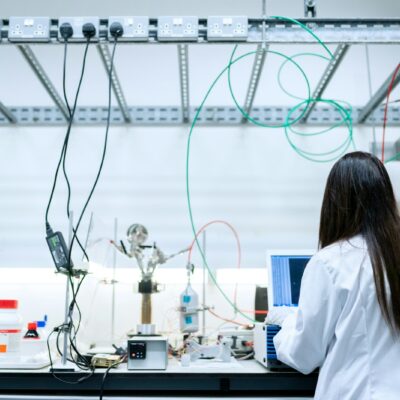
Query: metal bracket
point(330, 70)
point(183, 59)
point(378, 97)
point(7, 113)
point(258, 67)
point(105, 55)
point(310, 8)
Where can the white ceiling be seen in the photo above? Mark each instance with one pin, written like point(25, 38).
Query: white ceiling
point(326, 8)
point(149, 73)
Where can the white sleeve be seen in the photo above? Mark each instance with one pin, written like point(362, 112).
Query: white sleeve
point(305, 336)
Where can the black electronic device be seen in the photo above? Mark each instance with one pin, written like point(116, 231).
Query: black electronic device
point(59, 251)
point(137, 350)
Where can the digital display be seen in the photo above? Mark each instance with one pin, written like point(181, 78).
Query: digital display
point(137, 350)
point(287, 272)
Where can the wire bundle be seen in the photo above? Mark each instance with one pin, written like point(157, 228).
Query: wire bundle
point(69, 327)
point(300, 108)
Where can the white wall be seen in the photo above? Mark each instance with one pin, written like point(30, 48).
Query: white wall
point(248, 176)
point(47, 291)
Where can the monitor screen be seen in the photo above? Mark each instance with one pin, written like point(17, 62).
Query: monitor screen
point(286, 273)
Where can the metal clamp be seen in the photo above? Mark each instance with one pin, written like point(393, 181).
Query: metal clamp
point(310, 8)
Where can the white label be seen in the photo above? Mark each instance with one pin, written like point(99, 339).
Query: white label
point(4, 343)
point(9, 342)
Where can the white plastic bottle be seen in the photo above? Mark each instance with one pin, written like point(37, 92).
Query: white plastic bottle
point(189, 306)
point(10, 330)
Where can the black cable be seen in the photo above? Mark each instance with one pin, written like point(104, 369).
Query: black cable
point(75, 303)
point(80, 360)
point(58, 343)
point(71, 117)
point(103, 381)
point(104, 150)
point(66, 140)
point(67, 134)
point(80, 380)
point(64, 78)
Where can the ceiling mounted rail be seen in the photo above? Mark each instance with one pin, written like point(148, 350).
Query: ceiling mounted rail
point(7, 113)
point(329, 30)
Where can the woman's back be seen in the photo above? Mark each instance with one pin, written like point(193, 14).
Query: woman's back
point(340, 328)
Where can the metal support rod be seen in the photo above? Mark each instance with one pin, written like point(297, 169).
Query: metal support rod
point(255, 78)
point(66, 319)
point(378, 97)
point(203, 332)
point(66, 327)
point(7, 113)
point(183, 59)
point(370, 95)
point(323, 83)
point(105, 55)
point(44, 79)
point(114, 280)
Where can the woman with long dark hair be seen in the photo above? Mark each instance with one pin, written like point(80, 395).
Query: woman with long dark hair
point(348, 319)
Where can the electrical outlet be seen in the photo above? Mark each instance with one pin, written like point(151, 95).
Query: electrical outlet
point(178, 28)
point(135, 28)
point(25, 29)
point(77, 24)
point(227, 28)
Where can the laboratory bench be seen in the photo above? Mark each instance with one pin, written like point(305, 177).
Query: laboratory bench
point(238, 379)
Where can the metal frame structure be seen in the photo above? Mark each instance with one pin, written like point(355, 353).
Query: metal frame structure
point(329, 30)
point(377, 98)
point(105, 56)
point(43, 78)
point(330, 70)
point(9, 116)
point(261, 31)
point(256, 71)
point(183, 59)
point(172, 116)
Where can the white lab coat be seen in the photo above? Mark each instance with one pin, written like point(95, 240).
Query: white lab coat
point(339, 327)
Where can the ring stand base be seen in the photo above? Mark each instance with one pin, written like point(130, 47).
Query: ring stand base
point(59, 367)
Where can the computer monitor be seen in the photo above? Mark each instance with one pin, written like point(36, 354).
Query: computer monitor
point(285, 270)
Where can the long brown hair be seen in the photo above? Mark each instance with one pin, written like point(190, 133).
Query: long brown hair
point(359, 199)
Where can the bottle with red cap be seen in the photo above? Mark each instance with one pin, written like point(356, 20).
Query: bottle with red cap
point(10, 329)
point(32, 332)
